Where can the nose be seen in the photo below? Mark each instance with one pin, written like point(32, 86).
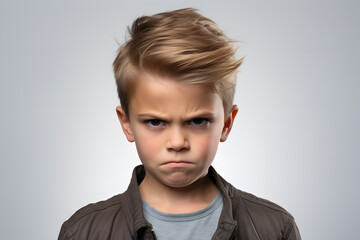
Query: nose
point(177, 140)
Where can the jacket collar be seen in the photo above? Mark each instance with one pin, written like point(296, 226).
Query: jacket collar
point(132, 204)
point(134, 212)
point(227, 223)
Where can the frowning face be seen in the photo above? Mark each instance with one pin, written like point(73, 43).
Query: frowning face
point(176, 129)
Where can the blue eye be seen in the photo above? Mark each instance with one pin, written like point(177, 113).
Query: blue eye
point(154, 123)
point(199, 122)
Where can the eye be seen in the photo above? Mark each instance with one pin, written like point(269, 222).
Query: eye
point(154, 123)
point(199, 122)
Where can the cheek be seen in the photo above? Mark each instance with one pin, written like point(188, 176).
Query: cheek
point(206, 146)
point(148, 147)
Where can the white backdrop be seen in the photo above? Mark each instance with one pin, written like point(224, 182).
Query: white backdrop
point(295, 140)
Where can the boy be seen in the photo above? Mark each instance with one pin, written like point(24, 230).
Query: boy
point(176, 81)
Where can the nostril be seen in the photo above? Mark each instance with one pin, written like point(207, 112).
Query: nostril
point(178, 148)
point(176, 145)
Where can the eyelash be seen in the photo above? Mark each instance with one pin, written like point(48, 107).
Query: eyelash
point(160, 123)
point(204, 121)
point(151, 121)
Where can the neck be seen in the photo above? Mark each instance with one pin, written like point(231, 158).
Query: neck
point(193, 197)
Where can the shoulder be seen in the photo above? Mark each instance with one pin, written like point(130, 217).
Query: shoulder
point(84, 221)
point(256, 218)
point(265, 216)
point(253, 202)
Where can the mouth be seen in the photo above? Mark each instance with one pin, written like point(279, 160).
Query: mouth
point(177, 164)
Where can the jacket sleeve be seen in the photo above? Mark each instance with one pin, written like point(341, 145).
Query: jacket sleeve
point(63, 233)
point(291, 231)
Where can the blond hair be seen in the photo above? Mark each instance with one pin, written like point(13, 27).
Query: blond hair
point(180, 44)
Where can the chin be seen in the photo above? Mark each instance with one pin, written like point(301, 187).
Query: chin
point(180, 181)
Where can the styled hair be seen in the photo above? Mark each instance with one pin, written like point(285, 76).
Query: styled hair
point(180, 44)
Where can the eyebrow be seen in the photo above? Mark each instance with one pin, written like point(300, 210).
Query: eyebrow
point(151, 116)
point(202, 115)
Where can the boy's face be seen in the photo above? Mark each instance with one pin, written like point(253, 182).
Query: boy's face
point(176, 129)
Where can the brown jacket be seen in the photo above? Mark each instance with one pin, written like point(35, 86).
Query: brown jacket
point(244, 216)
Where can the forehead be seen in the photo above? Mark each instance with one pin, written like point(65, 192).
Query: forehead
point(165, 95)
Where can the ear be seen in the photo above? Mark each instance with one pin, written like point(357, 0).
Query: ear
point(229, 123)
point(125, 124)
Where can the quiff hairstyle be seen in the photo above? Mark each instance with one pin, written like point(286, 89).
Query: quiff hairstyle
point(182, 45)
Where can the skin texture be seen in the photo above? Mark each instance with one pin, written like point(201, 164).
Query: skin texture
point(176, 129)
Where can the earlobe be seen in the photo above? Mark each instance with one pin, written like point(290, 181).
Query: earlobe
point(125, 124)
point(229, 123)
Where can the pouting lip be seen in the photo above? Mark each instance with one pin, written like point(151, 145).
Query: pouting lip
point(177, 162)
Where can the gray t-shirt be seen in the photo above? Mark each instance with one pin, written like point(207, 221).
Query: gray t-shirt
point(199, 225)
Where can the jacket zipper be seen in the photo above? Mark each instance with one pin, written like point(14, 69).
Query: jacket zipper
point(153, 233)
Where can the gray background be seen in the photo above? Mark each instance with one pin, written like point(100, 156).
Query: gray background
point(295, 140)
